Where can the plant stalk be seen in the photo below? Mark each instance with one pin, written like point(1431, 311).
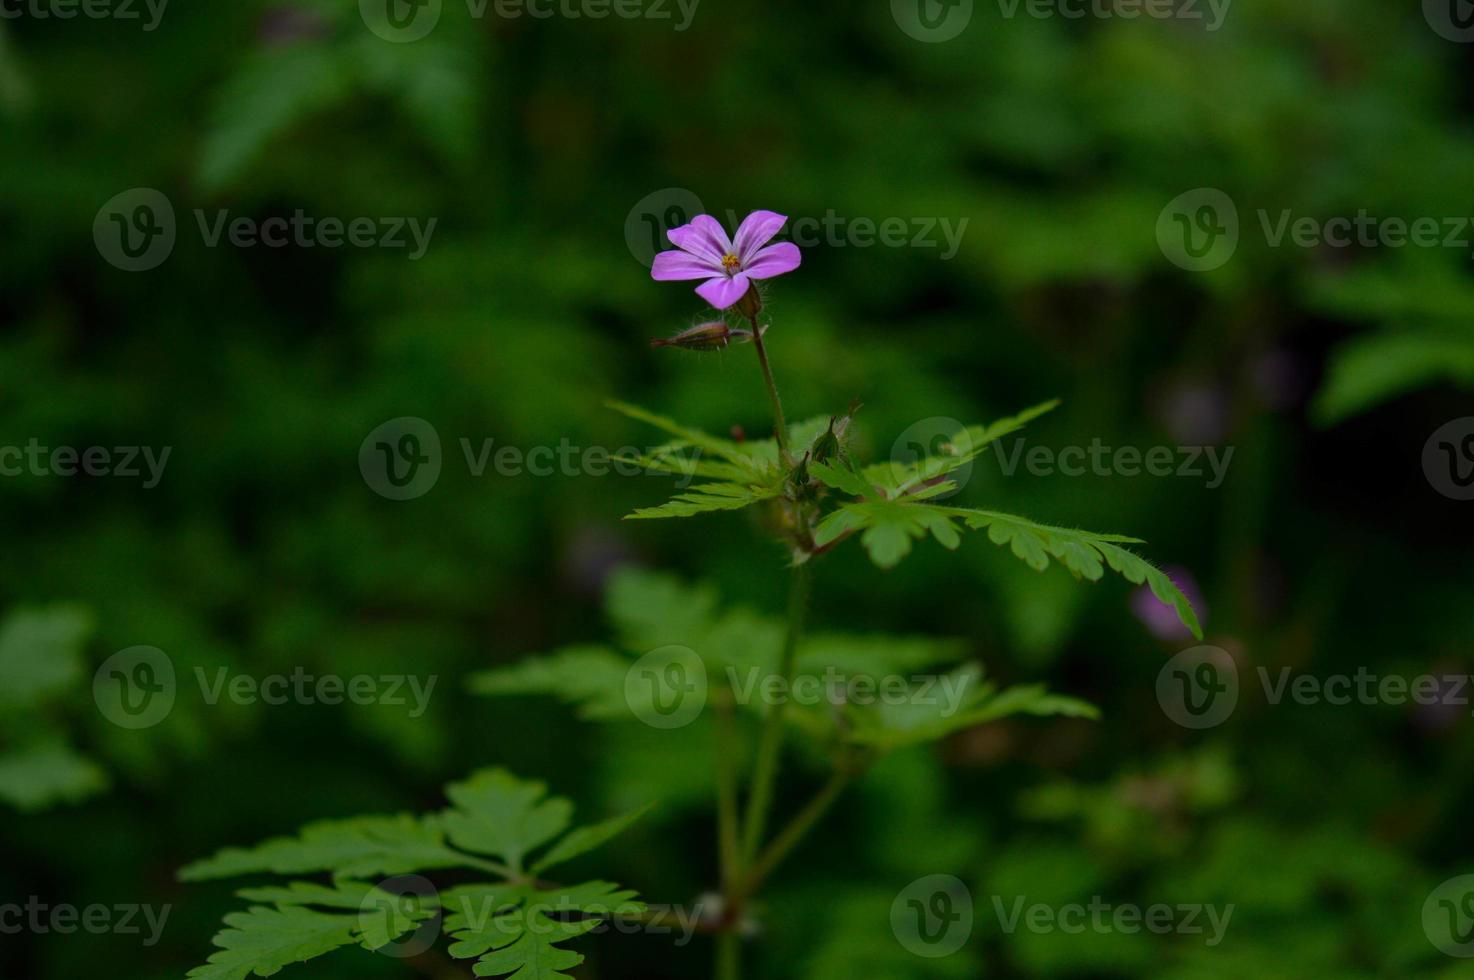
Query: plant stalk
point(770, 747)
point(729, 956)
point(789, 837)
point(729, 831)
point(762, 358)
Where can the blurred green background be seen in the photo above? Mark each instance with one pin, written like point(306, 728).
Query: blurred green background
point(542, 148)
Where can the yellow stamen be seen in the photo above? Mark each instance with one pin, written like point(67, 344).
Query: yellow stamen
point(731, 263)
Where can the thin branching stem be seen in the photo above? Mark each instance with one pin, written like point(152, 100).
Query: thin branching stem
point(729, 830)
point(789, 837)
point(770, 746)
point(781, 430)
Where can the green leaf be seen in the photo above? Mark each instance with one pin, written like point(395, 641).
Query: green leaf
point(801, 438)
point(590, 677)
point(652, 609)
point(1374, 368)
point(41, 652)
point(264, 940)
point(887, 541)
point(512, 931)
point(706, 498)
point(276, 89)
point(522, 945)
point(889, 526)
point(586, 839)
point(957, 451)
point(510, 924)
point(841, 478)
point(37, 776)
point(956, 701)
point(725, 448)
point(381, 916)
point(355, 848)
point(503, 816)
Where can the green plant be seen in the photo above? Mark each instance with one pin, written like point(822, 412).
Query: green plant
point(816, 496)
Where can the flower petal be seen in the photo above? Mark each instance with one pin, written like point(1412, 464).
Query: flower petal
point(756, 230)
point(676, 264)
point(703, 237)
point(723, 292)
point(773, 261)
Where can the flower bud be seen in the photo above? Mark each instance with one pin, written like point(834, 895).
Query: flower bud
point(705, 336)
point(751, 304)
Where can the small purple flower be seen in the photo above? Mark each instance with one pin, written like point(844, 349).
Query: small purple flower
point(729, 266)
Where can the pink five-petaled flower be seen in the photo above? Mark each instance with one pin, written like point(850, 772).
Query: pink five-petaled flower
point(729, 266)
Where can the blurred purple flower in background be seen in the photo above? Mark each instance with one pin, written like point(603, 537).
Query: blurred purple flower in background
point(285, 25)
point(1195, 413)
point(1160, 618)
point(729, 266)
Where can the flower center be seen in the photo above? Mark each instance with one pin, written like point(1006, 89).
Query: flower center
point(731, 263)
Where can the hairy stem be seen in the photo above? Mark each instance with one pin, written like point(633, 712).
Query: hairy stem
point(789, 837)
point(762, 359)
point(770, 746)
